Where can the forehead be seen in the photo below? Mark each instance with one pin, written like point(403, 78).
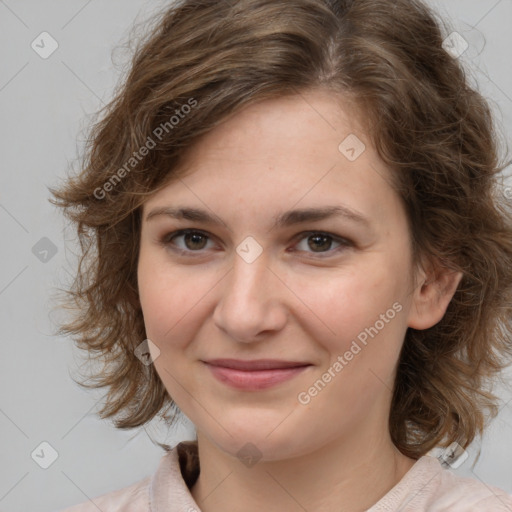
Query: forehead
point(305, 149)
point(306, 124)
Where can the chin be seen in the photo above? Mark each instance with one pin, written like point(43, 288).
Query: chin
point(258, 442)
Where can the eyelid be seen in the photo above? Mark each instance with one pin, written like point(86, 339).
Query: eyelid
point(166, 240)
point(344, 242)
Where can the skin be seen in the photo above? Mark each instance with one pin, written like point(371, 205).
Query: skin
point(298, 300)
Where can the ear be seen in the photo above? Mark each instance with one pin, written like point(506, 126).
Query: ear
point(434, 291)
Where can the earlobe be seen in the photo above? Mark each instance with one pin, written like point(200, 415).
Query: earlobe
point(431, 298)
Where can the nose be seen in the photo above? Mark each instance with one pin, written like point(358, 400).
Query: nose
point(251, 301)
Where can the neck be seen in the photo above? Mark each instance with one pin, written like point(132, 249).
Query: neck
point(340, 476)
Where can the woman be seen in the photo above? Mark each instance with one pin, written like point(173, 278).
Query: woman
point(302, 246)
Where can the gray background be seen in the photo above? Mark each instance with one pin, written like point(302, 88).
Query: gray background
point(46, 105)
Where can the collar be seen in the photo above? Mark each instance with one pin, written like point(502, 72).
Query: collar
point(171, 483)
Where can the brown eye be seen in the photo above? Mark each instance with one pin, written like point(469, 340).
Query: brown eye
point(192, 241)
point(320, 243)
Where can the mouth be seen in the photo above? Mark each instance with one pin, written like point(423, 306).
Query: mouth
point(256, 374)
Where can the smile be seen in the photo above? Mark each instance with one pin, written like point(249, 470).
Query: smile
point(254, 375)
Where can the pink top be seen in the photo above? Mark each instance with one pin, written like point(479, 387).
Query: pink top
point(427, 486)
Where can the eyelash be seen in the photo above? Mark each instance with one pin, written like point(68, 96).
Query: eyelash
point(167, 239)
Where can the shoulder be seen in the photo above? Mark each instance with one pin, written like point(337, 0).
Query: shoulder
point(428, 486)
point(166, 489)
point(133, 498)
point(453, 492)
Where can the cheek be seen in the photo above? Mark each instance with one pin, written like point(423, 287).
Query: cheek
point(172, 299)
point(171, 307)
point(341, 307)
point(368, 319)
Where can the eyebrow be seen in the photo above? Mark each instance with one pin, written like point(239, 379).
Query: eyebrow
point(285, 219)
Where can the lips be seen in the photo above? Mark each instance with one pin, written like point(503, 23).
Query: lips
point(257, 364)
point(256, 374)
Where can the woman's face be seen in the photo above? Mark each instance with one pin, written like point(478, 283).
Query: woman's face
point(266, 274)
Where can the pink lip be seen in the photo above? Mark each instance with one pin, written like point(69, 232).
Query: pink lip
point(256, 374)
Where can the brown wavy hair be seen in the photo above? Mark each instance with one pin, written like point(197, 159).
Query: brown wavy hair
point(202, 61)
